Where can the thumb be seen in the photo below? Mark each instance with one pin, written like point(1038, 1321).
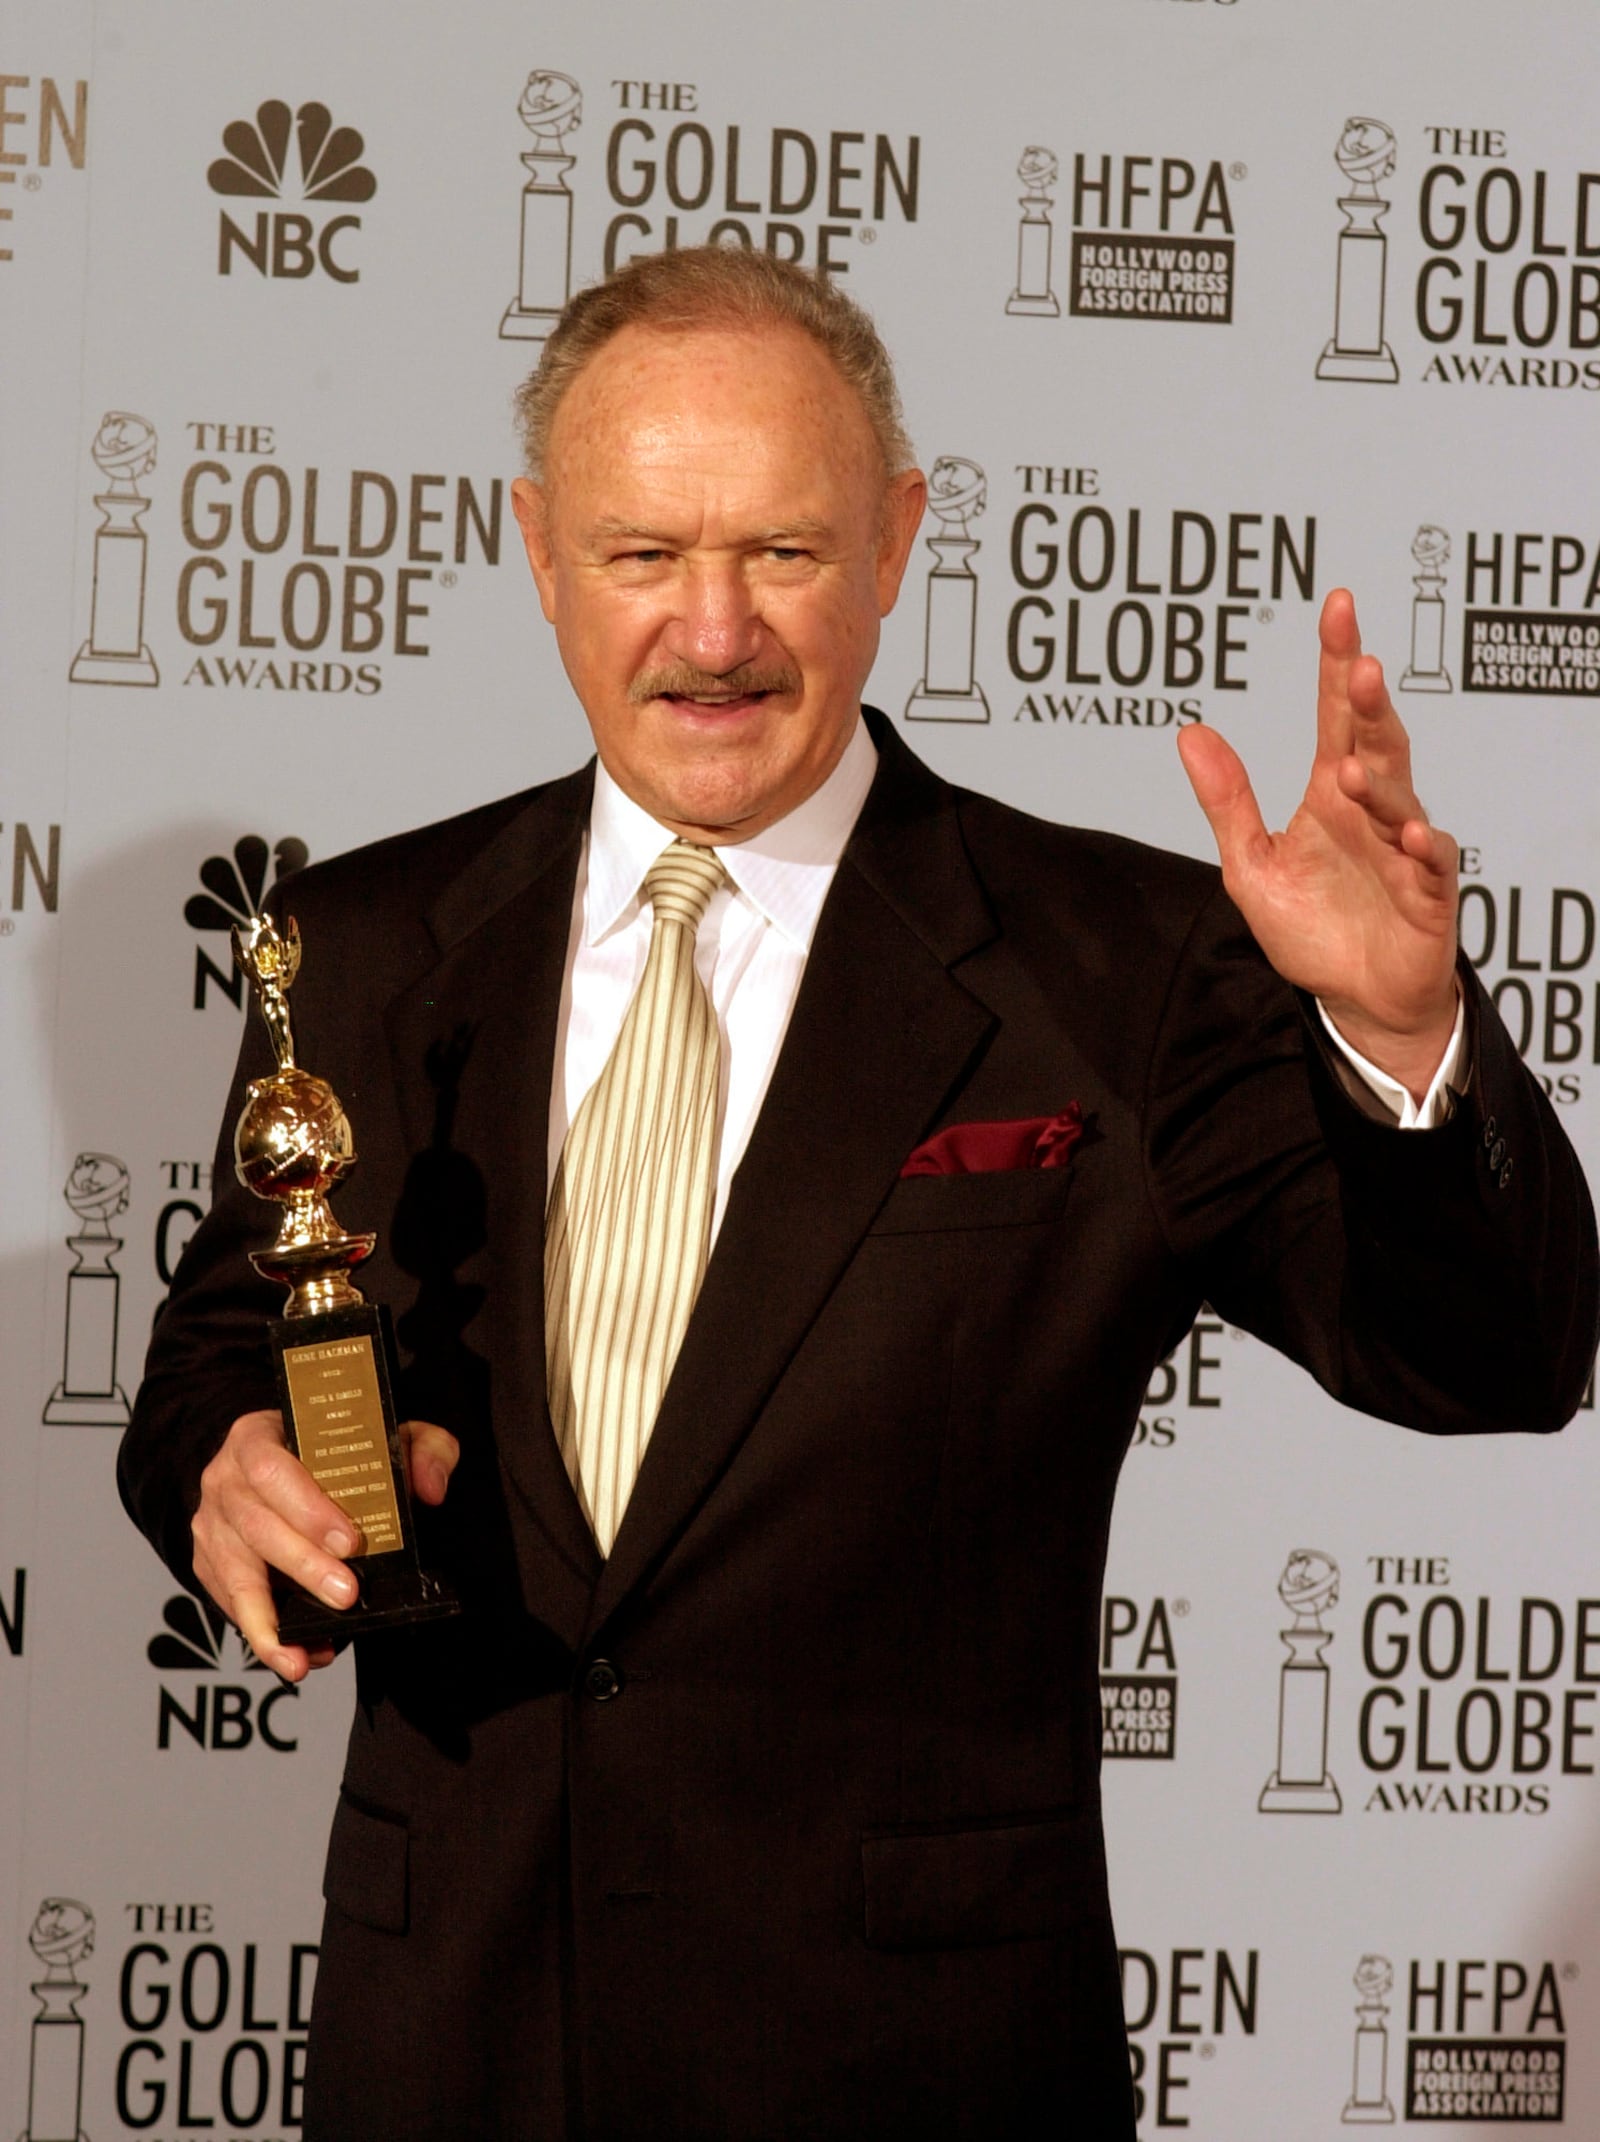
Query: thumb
point(431, 1456)
point(1222, 790)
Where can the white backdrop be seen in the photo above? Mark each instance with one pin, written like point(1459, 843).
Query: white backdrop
point(1180, 408)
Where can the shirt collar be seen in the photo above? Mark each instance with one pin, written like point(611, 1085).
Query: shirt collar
point(784, 871)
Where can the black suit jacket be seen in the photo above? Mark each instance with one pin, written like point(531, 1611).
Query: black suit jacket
point(818, 1853)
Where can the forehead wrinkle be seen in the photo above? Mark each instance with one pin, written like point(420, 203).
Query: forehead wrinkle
point(656, 418)
point(807, 525)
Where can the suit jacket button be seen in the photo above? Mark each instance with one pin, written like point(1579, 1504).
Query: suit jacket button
point(1491, 1131)
point(1497, 1152)
point(602, 1681)
point(1505, 1176)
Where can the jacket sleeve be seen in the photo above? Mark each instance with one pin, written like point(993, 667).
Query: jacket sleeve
point(1446, 1278)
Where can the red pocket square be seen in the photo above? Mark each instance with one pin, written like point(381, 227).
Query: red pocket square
point(991, 1148)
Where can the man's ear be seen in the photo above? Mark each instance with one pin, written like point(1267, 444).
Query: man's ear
point(530, 503)
point(903, 504)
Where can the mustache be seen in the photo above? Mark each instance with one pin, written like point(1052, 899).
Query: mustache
point(681, 680)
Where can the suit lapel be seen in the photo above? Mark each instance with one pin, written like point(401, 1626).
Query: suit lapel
point(880, 1033)
point(493, 996)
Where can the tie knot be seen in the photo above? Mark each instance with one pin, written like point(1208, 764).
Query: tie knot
point(680, 882)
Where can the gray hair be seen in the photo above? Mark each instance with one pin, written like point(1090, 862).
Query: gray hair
point(711, 286)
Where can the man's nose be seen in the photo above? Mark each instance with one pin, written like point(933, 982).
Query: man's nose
point(718, 622)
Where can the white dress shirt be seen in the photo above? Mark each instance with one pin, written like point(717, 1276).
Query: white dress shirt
point(751, 953)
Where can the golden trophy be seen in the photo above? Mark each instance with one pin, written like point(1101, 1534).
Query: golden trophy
point(333, 1349)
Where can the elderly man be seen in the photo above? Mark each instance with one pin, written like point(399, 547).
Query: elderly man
point(789, 1169)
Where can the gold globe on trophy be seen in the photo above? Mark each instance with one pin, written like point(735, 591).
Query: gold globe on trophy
point(293, 1146)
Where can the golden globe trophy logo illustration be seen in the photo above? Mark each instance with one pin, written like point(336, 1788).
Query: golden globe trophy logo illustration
point(1369, 2104)
point(124, 449)
point(61, 1937)
point(551, 107)
point(957, 493)
point(1301, 1785)
point(284, 245)
point(89, 1395)
point(1039, 171)
point(1426, 672)
point(1365, 155)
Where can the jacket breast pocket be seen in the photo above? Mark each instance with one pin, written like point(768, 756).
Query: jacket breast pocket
point(1010, 1197)
point(1018, 1881)
point(368, 1870)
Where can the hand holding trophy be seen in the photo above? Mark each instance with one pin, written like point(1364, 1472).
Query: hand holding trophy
point(333, 1350)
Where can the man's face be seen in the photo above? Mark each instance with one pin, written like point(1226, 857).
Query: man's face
point(713, 544)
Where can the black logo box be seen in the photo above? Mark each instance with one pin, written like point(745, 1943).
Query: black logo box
point(1139, 1706)
point(1538, 653)
point(1123, 275)
point(1529, 2074)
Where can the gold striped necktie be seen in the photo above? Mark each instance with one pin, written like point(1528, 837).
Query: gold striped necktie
point(629, 1223)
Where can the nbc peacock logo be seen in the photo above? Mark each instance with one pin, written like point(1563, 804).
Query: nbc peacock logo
point(196, 1636)
point(223, 1715)
point(283, 244)
point(234, 886)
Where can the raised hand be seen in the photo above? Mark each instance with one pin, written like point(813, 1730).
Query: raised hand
point(1355, 900)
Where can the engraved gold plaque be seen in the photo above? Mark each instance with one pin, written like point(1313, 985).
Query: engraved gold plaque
point(338, 1416)
point(292, 1146)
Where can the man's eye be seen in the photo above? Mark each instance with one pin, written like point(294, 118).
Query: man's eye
point(784, 553)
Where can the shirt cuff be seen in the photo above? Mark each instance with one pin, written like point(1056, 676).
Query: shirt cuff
point(1396, 1100)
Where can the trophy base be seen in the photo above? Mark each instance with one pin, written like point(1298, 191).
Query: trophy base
point(1379, 365)
point(1356, 2115)
point(385, 1599)
point(535, 325)
point(926, 705)
point(101, 1409)
point(1041, 307)
point(1280, 1799)
point(91, 668)
point(1425, 680)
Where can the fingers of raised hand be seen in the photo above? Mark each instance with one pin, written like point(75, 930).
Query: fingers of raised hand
point(1389, 800)
point(1376, 730)
point(1396, 818)
point(431, 1455)
point(1338, 628)
point(1438, 853)
point(1222, 789)
point(1354, 709)
point(1339, 637)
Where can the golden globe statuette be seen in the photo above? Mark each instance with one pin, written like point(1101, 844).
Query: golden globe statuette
point(333, 1349)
